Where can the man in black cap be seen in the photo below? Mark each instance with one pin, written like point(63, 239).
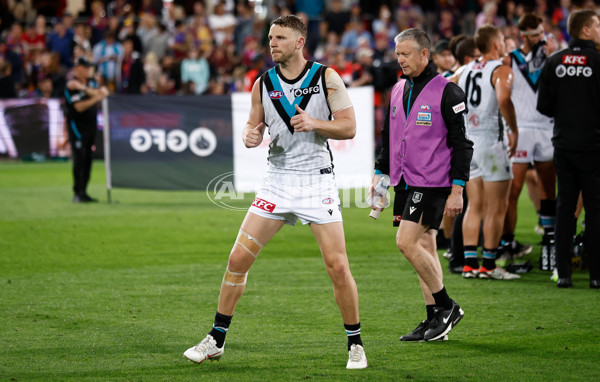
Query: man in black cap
point(81, 99)
point(443, 59)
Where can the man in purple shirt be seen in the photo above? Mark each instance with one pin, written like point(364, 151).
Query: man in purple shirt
point(427, 155)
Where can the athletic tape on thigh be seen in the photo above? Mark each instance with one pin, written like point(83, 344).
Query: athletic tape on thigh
point(249, 243)
point(234, 279)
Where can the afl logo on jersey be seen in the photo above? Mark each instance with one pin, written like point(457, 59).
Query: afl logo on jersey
point(425, 107)
point(275, 94)
point(306, 91)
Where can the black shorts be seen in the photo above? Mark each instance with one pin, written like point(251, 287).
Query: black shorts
point(413, 203)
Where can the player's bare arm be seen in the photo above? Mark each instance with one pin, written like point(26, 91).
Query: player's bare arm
point(503, 80)
point(255, 127)
point(456, 76)
point(343, 126)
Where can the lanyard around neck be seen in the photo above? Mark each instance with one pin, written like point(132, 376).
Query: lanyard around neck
point(409, 97)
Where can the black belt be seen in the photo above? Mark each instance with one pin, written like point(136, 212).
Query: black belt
point(327, 170)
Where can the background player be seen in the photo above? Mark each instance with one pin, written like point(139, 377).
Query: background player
point(535, 133)
point(487, 84)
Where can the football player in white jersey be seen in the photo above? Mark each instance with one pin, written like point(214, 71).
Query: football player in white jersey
point(487, 84)
point(295, 100)
point(535, 135)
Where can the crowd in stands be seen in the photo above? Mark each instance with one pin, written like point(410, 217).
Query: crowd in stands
point(218, 47)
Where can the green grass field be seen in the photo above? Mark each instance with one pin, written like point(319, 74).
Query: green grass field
point(117, 292)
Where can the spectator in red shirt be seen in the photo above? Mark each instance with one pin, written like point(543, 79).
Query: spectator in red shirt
point(346, 69)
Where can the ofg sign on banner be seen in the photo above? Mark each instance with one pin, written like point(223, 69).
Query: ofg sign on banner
point(169, 143)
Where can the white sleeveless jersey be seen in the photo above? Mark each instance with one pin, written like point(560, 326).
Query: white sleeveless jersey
point(527, 70)
point(484, 115)
point(289, 151)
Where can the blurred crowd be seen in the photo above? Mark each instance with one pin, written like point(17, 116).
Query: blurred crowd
point(218, 47)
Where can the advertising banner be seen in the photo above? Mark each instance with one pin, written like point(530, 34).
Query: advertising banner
point(32, 127)
point(169, 143)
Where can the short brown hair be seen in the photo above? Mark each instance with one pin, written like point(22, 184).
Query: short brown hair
point(484, 37)
point(529, 21)
point(292, 22)
point(579, 19)
point(464, 47)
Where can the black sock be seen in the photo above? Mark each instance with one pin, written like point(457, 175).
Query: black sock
point(429, 309)
point(507, 238)
point(220, 327)
point(471, 256)
point(548, 215)
point(442, 299)
point(489, 258)
point(353, 333)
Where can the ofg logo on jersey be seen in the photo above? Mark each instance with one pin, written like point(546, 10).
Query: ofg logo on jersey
point(306, 91)
point(575, 66)
point(573, 71)
point(201, 141)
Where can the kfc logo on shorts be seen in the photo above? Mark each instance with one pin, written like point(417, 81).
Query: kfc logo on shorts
point(521, 154)
point(327, 201)
point(569, 59)
point(397, 218)
point(263, 205)
point(275, 94)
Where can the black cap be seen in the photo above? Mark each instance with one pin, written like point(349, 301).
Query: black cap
point(441, 46)
point(83, 62)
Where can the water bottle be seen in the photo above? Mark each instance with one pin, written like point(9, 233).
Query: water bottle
point(379, 198)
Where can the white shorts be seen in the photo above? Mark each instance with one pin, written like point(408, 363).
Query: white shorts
point(490, 160)
point(534, 145)
point(289, 197)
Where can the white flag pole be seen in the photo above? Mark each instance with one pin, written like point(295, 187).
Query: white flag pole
point(106, 135)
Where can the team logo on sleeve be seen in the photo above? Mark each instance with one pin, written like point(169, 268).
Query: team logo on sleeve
point(458, 108)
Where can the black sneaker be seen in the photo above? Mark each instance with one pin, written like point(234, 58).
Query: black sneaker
point(443, 321)
point(564, 282)
point(88, 199)
point(519, 250)
point(418, 335)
